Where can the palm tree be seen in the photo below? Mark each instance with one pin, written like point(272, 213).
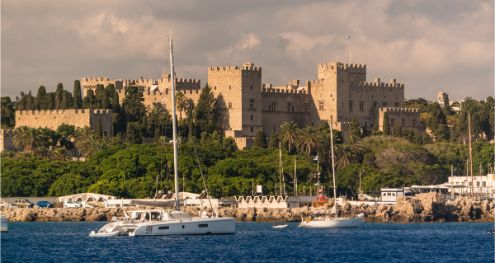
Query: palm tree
point(307, 140)
point(288, 133)
point(26, 138)
point(346, 154)
point(87, 141)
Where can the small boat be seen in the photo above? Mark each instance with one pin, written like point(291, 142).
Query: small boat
point(491, 231)
point(118, 228)
point(325, 220)
point(4, 227)
point(279, 226)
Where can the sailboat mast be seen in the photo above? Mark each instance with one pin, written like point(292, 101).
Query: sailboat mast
point(470, 155)
point(174, 125)
point(333, 164)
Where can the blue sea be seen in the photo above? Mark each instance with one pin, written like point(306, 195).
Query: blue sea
point(254, 242)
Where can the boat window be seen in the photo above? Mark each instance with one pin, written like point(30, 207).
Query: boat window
point(163, 227)
point(203, 225)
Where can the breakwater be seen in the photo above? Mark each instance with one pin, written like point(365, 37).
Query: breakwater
point(429, 207)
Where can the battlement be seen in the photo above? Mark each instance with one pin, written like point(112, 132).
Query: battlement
point(268, 91)
point(62, 112)
point(397, 109)
point(341, 66)
point(246, 66)
point(187, 81)
point(93, 79)
point(378, 84)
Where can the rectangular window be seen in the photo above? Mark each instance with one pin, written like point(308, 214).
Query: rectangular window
point(361, 106)
point(251, 86)
point(321, 105)
point(396, 104)
point(251, 128)
point(273, 107)
point(251, 104)
point(375, 104)
point(251, 116)
point(350, 105)
point(289, 107)
point(163, 227)
point(384, 104)
point(203, 225)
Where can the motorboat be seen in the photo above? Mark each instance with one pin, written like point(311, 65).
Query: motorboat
point(4, 224)
point(326, 220)
point(280, 226)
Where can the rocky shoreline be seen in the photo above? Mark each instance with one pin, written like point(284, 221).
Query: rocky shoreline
point(429, 207)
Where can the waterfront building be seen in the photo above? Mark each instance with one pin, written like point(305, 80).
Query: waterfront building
point(484, 185)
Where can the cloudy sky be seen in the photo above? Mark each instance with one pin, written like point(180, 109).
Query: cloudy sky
point(428, 45)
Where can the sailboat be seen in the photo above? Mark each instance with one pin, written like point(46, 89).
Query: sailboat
point(326, 220)
point(161, 222)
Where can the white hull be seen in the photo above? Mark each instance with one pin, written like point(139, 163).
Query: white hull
point(279, 226)
point(331, 223)
point(195, 226)
point(120, 228)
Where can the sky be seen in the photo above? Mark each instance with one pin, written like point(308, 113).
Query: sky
point(428, 45)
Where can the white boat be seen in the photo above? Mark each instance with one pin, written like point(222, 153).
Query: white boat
point(327, 221)
point(280, 226)
point(160, 222)
point(4, 224)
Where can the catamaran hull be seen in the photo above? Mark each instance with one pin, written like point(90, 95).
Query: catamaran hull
point(214, 226)
point(331, 223)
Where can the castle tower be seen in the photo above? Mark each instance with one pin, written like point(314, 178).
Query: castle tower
point(239, 91)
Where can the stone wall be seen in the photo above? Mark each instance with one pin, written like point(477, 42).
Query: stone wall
point(52, 119)
point(6, 140)
point(399, 117)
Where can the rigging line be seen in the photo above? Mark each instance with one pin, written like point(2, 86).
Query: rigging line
point(202, 175)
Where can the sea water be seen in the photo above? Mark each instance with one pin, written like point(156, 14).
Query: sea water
point(254, 242)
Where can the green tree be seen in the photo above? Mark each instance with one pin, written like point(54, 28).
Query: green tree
point(41, 99)
point(307, 140)
point(26, 138)
point(260, 139)
point(66, 100)
point(386, 124)
point(87, 141)
point(8, 113)
point(273, 140)
point(133, 106)
point(77, 101)
point(206, 112)
point(59, 96)
point(288, 134)
point(90, 100)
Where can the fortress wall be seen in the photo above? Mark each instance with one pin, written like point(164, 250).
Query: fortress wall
point(399, 117)
point(52, 119)
point(367, 97)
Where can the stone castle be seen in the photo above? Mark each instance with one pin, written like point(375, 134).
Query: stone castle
point(341, 94)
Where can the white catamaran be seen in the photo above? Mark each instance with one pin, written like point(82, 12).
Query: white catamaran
point(161, 222)
point(327, 221)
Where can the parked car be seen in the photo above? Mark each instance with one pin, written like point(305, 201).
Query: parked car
point(23, 203)
point(44, 204)
point(72, 204)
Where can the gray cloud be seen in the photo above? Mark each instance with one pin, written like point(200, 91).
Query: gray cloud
point(429, 45)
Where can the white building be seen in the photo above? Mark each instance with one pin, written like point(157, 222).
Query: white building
point(484, 185)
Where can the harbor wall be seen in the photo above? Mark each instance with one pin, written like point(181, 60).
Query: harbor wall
point(428, 207)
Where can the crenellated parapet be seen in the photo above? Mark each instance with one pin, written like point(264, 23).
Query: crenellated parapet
point(398, 109)
point(246, 66)
point(342, 66)
point(63, 112)
point(377, 83)
point(283, 92)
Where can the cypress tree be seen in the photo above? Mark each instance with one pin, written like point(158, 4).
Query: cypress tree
point(77, 95)
point(41, 99)
point(51, 101)
point(386, 124)
point(260, 139)
point(59, 96)
point(66, 99)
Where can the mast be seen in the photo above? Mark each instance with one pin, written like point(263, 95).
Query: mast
point(470, 155)
point(174, 125)
point(333, 169)
point(295, 177)
point(281, 169)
